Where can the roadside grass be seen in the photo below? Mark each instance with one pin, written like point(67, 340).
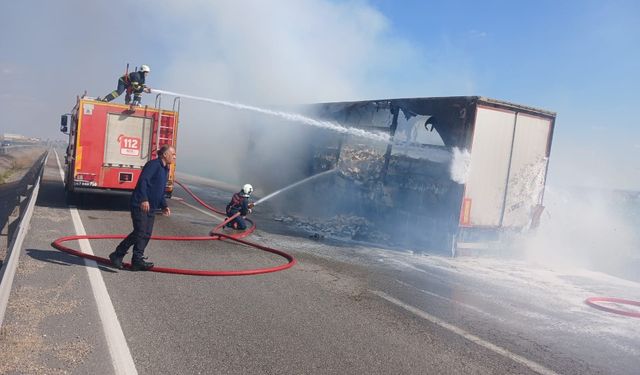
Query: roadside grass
point(13, 165)
point(4, 176)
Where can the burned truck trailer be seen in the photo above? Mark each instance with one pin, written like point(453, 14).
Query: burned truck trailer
point(457, 173)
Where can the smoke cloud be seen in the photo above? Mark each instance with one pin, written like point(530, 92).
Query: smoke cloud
point(588, 228)
point(459, 167)
point(268, 54)
point(261, 53)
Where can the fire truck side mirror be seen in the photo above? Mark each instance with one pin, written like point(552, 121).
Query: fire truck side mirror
point(63, 124)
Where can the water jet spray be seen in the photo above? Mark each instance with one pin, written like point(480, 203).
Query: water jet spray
point(294, 185)
point(293, 117)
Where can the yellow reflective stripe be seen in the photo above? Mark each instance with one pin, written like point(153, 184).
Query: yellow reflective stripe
point(78, 158)
point(78, 161)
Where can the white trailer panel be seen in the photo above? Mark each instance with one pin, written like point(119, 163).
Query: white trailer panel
point(528, 167)
point(489, 167)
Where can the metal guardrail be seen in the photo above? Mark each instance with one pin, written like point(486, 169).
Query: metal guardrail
point(13, 202)
point(31, 181)
point(5, 150)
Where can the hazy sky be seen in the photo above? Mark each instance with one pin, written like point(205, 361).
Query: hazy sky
point(578, 58)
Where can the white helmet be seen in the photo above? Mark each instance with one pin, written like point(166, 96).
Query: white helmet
point(145, 68)
point(247, 189)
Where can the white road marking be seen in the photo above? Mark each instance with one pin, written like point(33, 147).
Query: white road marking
point(449, 300)
point(469, 336)
point(59, 166)
point(121, 358)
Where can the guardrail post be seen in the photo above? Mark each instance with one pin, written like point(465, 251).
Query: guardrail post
point(4, 243)
point(7, 233)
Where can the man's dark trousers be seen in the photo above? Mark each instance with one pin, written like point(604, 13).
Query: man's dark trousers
point(139, 238)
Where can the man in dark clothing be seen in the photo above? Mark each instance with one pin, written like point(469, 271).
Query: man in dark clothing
point(148, 196)
point(133, 83)
point(240, 203)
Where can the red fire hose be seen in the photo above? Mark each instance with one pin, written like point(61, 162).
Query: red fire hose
point(593, 302)
point(214, 235)
point(192, 194)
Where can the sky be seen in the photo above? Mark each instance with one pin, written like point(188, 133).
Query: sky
point(577, 58)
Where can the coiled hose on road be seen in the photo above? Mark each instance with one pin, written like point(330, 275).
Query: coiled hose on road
point(213, 236)
point(594, 302)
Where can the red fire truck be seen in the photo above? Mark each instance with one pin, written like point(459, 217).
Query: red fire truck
point(109, 143)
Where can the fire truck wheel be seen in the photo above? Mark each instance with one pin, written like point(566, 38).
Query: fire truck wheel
point(71, 198)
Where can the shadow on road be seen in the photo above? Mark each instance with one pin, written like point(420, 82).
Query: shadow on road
point(61, 258)
point(52, 195)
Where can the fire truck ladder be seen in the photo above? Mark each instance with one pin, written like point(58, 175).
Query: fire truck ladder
point(160, 140)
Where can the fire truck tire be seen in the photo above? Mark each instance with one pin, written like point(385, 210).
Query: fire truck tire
point(72, 198)
point(69, 197)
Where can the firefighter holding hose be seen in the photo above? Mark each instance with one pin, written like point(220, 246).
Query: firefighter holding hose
point(240, 204)
point(133, 82)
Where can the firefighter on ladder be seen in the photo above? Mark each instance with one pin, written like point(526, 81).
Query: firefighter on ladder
point(240, 203)
point(133, 83)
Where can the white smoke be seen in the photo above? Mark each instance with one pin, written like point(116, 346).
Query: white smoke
point(589, 228)
point(268, 55)
point(460, 165)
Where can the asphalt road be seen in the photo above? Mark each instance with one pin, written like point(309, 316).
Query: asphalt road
point(343, 309)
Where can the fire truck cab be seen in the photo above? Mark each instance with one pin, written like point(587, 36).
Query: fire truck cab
point(109, 143)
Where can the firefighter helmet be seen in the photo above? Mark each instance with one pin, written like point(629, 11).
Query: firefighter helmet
point(145, 68)
point(247, 189)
